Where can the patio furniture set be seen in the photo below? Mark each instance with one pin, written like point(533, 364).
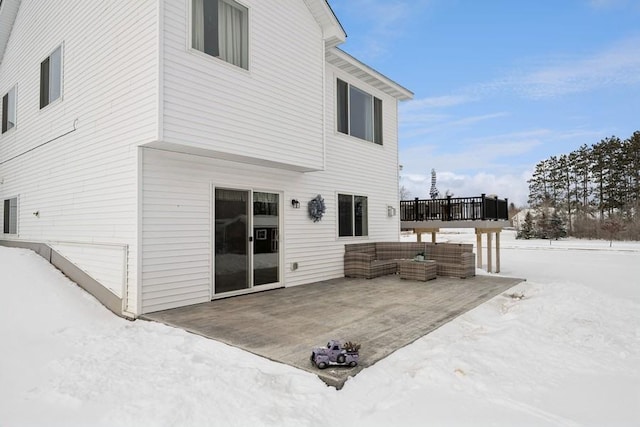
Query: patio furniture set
point(369, 260)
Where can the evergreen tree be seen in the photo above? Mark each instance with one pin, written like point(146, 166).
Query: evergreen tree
point(602, 178)
point(542, 225)
point(616, 187)
point(555, 182)
point(599, 168)
point(633, 156)
point(581, 174)
point(556, 228)
point(538, 185)
point(527, 227)
point(564, 163)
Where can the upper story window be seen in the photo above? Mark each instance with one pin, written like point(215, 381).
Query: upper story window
point(9, 110)
point(220, 28)
point(352, 215)
point(10, 216)
point(359, 113)
point(51, 78)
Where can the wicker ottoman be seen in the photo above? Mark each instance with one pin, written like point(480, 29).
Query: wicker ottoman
point(418, 270)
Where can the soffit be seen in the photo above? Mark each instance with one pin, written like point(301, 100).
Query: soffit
point(349, 64)
point(332, 30)
point(8, 12)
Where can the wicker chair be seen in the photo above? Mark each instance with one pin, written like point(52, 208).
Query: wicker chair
point(453, 259)
point(369, 260)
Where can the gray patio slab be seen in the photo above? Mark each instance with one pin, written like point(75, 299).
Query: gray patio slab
point(382, 314)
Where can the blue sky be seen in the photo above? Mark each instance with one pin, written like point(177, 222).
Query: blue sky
point(499, 85)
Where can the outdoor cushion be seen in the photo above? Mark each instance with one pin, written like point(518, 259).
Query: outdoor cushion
point(369, 260)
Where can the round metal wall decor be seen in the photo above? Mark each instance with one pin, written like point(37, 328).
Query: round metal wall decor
point(316, 208)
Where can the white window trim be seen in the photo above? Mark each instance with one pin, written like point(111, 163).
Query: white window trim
point(17, 233)
point(368, 90)
point(216, 59)
point(62, 73)
point(337, 202)
point(15, 110)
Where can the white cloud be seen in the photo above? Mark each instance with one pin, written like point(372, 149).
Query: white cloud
point(435, 102)
point(514, 187)
point(441, 122)
point(618, 65)
point(506, 179)
point(491, 164)
point(384, 22)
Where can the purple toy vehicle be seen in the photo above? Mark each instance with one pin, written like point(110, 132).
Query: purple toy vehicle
point(335, 353)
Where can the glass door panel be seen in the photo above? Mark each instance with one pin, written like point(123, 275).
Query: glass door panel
point(266, 248)
point(232, 262)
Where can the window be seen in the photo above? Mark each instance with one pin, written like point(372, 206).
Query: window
point(359, 113)
point(9, 110)
point(352, 215)
point(220, 29)
point(51, 78)
point(11, 216)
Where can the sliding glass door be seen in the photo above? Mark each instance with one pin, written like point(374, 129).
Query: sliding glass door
point(247, 232)
point(232, 262)
point(266, 225)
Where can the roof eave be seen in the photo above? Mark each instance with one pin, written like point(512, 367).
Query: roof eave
point(362, 71)
point(8, 13)
point(332, 30)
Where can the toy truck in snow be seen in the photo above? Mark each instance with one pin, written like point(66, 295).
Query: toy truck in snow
point(335, 353)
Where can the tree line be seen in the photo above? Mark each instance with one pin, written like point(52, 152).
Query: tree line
point(595, 189)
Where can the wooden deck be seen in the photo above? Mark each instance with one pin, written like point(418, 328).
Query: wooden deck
point(382, 314)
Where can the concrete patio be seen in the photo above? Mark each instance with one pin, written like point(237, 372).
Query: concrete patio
point(382, 314)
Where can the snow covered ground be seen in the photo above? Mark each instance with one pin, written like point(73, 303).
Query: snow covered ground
point(566, 354)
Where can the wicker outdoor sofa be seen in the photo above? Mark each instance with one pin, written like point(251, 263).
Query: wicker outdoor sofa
point(369, 260)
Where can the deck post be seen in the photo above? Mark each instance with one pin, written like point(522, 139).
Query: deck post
point(497, 251)
point(478, 249)
point(419, 231)
point(489, 260)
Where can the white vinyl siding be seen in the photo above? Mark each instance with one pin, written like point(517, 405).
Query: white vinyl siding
point(81, 160)
point(131, 79)
point(177, 248)
point(107, 264)
point(273, 113)
point(177, 232)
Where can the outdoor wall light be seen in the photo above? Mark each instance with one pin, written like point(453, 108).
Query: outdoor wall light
point(391, 211)
point(295, 204)
point(36, 214)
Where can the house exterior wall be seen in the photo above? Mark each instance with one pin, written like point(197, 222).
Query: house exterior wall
point(177, 190)
point(74, 162)
point(270, 112)
point(118, 174)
